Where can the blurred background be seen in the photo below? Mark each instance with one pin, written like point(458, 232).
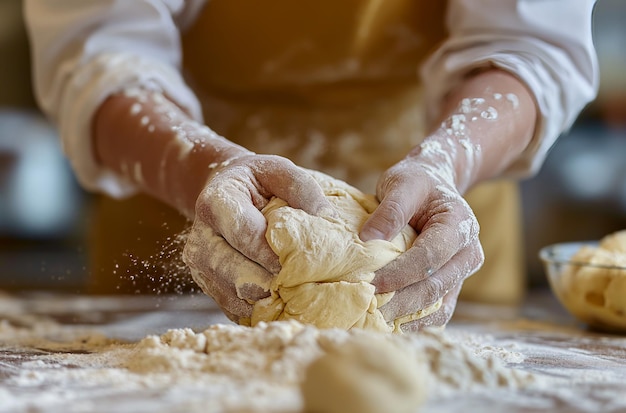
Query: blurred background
point(579, 194)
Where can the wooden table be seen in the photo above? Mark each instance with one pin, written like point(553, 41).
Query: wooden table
point(576, 370)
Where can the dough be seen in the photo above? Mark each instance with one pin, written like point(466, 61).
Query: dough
point(595, 294)
point(366, 375)
point(326, 269)
point(615, 242)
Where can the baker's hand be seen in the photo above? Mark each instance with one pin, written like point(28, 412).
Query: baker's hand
point(421, 191)
point(226, 250)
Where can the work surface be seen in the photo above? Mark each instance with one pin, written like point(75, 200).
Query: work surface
point(573, 370)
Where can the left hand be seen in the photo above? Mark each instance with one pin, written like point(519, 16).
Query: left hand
point(420, 191)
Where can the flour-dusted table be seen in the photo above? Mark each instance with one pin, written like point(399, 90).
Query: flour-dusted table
point(574, 370)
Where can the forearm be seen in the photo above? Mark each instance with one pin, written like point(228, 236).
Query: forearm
point(150, 140)
point(485, 124)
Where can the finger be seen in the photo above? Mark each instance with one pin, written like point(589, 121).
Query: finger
point(439, 318)
point(296, 186)
point(226, 205)
point(394, 212)
point(424, 293)
point(442, 238)
point(219, 270)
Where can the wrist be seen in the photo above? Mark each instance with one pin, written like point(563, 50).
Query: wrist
point(488, 121)
point(464, 154)
point(185, 172)
point(152, 142)
point(454, 159)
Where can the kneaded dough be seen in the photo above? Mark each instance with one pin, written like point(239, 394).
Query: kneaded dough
point(596, 294)
point(365, 375)
point(326, 273)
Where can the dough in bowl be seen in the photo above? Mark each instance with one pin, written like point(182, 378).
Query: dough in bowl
point(596, 293)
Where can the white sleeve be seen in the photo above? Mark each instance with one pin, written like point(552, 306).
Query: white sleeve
point(546, 43)
point(84, 51)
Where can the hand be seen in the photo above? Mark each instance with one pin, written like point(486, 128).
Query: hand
point(420, 191)
point(226, 250)
point(480, 136)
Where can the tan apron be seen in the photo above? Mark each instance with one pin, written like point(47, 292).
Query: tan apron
point(333, 86)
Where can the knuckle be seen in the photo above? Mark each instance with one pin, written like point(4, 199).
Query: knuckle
point(474, 228)
point(432, 290)
point(477, 258)
point(206, 203)
point(277, 161)
point(447, 310)
point(393, 215)
point(467, 229)
point(390, 179)
point(480, 254)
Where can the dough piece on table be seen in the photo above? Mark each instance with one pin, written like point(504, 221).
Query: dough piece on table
point(365, 375)
point(326, 269)
point(595, 294)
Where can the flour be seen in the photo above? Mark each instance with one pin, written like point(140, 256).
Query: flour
point(236, 368)
point(278, 352)
point(459, 143)
point(110, 363)
point(186, 137)
point(512, 97)
point(137, 173)
point(490, 113)
point(136, 108)
point(166, 261)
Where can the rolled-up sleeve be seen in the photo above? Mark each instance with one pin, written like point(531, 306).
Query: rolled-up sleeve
point(546, 43)
point(84, 51)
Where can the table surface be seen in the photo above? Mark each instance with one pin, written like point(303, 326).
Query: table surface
point(585, 370)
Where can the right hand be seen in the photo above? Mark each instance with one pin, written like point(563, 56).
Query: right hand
point(422, 191)
point(227, 239)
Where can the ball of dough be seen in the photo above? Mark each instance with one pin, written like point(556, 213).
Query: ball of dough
point(365, 376)
point(326, 269)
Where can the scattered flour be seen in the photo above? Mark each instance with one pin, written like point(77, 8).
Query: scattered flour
point(49, 366)
point(280, 351)
point(237, 368)
point(225, 368)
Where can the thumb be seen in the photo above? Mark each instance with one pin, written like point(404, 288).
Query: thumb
point(387, 220)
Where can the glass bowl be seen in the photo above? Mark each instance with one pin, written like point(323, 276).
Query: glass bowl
point(593, 292)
